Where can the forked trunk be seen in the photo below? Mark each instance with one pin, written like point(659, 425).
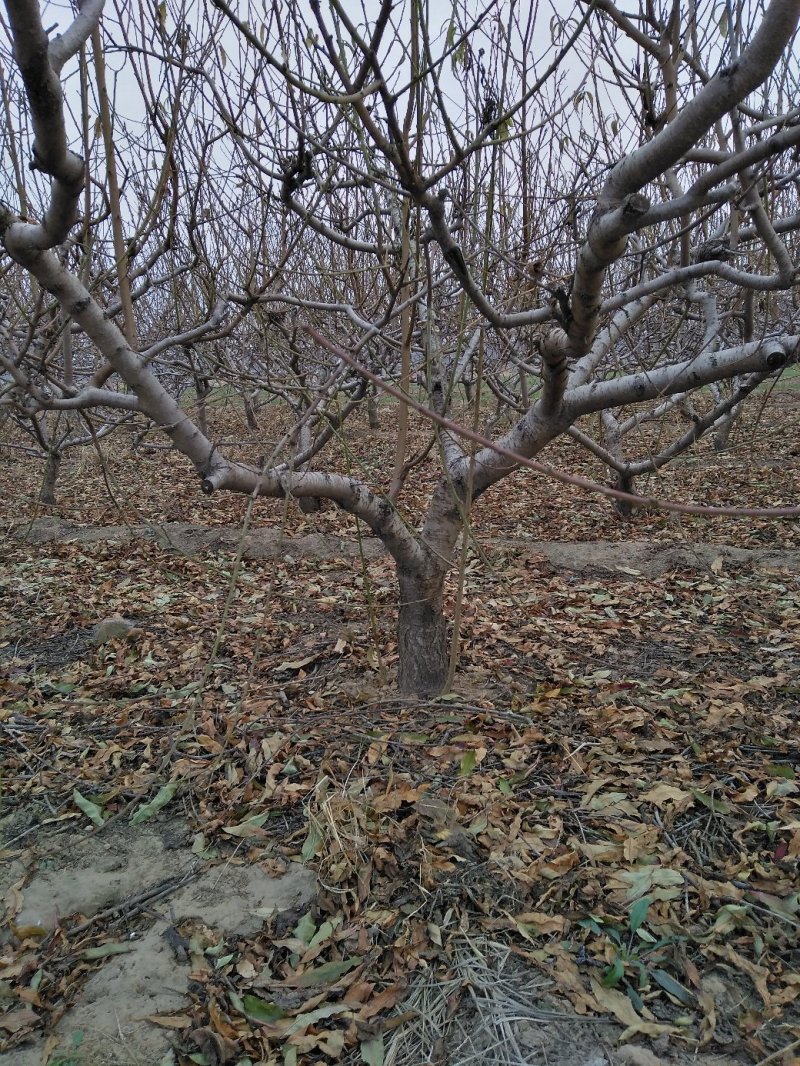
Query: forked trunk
point(422, 635)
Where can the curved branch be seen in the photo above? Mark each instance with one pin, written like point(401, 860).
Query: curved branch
point(67, 44)
point(50, 152)
point(350, 494)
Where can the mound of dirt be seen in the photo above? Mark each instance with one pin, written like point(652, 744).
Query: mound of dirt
point(643, 557)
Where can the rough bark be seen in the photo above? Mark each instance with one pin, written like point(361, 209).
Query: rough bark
point(202, 389)
point(249, 411)
point(422, 634)
point(625, 483)
point(47, 493)
point(722, 432)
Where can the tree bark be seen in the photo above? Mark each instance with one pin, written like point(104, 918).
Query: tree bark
point(422, 634)
point(202, 389)
point(47, 493)
point(249, 410)
point(624, 482)
point(372, 414)
point(722, 434)
point(307, 504)
point(723, 428)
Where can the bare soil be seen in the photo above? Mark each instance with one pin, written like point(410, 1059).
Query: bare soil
point(150, 885)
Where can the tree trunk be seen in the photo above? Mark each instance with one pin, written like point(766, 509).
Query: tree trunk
point(47, 493)
point(722, 430)
point(372, 414)
point(524, 395)
point(249, 410)
point(202, 389)
point(422, 635)
point(624, 482)
point(307, 504)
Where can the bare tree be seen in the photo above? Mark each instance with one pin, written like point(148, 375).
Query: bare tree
point(319, 209)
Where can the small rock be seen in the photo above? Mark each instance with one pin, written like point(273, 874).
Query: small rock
point(114, 628)
point(636, 1056)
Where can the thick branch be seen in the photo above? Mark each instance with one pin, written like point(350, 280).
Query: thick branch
point(758, 357)
point(50, 152)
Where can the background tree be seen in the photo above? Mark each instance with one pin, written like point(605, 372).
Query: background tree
point(592, 215)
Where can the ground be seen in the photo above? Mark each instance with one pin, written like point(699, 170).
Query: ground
point(228, 839)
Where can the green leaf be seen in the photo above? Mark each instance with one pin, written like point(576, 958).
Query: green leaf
point(372, 1051)
point(729, 917)
point(673, 987)
point(325, 932)
point(505, 787)
point(250, 827)
point(302, 1021)
point(459, 57)
point(592, 925)
point(305, 929)
point(312, 842)
point(327, 974)
point(161, 799)
point(503, 130)
point(638, 912)
point(467, 764)
point(778, 769)
point(91, 810)
point(713, 803)
point(658, 882)
point(63, 688)
point(634, 997)
point(259, 1010)
point(613, 974)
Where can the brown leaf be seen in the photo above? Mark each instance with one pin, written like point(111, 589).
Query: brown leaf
point(169, 1021)
point(17, 1020)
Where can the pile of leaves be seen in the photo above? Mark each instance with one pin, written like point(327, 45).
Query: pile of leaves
point(609, 797)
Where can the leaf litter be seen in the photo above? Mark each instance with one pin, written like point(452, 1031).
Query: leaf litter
point(599, 828)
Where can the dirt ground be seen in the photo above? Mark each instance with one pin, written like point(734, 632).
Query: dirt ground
point(174, 909)
point(151, 880)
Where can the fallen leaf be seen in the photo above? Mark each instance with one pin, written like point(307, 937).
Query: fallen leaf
point(169, 1021)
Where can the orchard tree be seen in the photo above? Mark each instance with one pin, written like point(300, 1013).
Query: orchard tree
point(592, 212)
